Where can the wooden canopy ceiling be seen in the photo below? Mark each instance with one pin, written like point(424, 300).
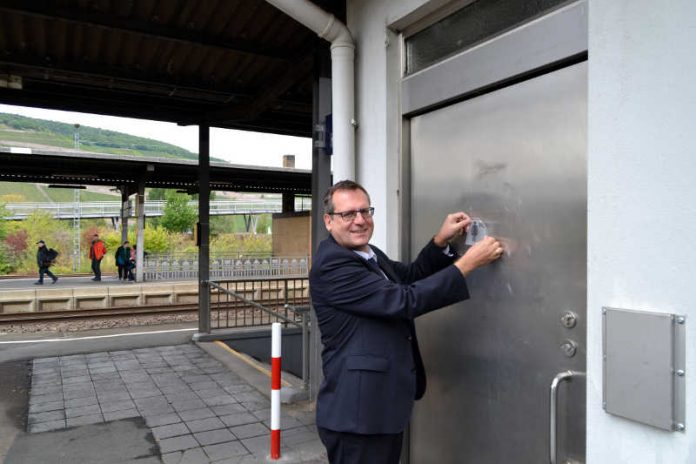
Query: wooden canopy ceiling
point(238, 64)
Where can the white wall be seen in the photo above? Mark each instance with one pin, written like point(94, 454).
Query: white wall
point(370, 108)
point(642, 199)
point(378, 137)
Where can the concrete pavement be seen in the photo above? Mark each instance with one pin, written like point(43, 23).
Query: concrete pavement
point(171, 404)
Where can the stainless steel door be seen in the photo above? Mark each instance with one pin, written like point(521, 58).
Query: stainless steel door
point(515, 158)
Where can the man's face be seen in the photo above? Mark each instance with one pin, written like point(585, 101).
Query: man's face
point(354, 234)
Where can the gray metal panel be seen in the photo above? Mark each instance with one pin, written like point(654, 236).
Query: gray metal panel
point(552, 38)
point(517, 159)
point(643, 368)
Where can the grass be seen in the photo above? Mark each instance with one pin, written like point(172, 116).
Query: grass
point(34, 137)
point(31, 194)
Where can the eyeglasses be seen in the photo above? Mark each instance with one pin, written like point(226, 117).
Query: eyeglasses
point(348, 216)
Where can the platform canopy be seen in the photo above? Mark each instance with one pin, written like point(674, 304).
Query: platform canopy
point(238, 64)
point(76, 168)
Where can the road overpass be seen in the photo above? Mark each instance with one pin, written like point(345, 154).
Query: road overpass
point(112, 209)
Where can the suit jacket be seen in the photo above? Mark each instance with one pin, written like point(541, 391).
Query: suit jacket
point(372, 367)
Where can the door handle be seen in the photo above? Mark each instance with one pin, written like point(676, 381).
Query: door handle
point(565, 376)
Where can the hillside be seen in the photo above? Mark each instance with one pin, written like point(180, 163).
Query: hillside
point(23, 131)
point(15, 192)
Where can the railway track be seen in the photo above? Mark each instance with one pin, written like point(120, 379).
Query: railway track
point(238, 311)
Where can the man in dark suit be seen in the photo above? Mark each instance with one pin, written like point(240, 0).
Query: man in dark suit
point(372, 367)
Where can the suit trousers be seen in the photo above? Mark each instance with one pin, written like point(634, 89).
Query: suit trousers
point(354, 448)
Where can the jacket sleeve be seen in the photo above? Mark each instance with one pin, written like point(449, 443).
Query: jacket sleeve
point(430, 260)
point(346, 284)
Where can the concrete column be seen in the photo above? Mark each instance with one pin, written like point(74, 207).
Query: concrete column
point(203, 229)
point(140, 237)
point(321, 181)
point(288, 198)
point(125, 212)
point(288, 203)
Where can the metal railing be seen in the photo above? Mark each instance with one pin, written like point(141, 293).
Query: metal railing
point(229, 301)
point(103, 209)
point(253, 303)
point(183, 266)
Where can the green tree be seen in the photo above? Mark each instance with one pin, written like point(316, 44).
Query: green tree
point(263, 225)
point(241, 244)
point(40, 225)
point(178, 216)
point(3, 224)
point(156, 239)
point(5, 264)
point(156, 193)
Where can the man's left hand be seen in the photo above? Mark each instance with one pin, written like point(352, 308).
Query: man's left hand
point(455, 224)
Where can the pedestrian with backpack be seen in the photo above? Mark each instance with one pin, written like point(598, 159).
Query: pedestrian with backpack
point(96, 252)
point(44, 259)
point(123, 255)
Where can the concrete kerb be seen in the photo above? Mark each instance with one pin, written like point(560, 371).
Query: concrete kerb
point(18, 301)
point(95, 296)
point(254, 372)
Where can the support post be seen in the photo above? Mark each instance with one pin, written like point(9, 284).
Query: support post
point(321, 181)
point(288, 203)
point(203, 229)
point(125, 212)
point(140, 235)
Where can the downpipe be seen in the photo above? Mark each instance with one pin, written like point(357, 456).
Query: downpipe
point(326, 26)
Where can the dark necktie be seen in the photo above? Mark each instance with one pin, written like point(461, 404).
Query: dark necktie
point(373, 264)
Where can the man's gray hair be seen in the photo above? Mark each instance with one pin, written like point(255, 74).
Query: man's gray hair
point(342, 185)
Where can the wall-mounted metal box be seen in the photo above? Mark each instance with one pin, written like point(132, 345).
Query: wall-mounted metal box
point(644, 367)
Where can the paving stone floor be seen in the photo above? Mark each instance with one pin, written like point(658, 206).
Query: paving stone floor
point(197, 409)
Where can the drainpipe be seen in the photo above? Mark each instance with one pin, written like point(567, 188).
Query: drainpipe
point(342, 78)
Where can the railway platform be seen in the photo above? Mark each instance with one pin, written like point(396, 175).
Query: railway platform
point(145, 395)
point(21, 296)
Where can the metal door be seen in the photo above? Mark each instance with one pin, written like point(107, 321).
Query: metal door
point(516, 158)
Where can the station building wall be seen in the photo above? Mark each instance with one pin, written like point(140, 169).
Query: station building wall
point(641, 166)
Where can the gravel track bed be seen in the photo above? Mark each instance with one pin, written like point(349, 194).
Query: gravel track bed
point(96, 323)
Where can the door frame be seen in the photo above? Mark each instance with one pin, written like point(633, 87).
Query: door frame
point(482, 69)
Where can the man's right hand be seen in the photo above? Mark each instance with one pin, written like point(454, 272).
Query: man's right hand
point(481, 253)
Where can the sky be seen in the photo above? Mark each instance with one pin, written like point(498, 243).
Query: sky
point(238, 147)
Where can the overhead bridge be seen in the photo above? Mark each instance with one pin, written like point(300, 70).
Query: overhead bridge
point(112, 209)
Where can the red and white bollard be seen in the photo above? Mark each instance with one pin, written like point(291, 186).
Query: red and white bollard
point(275, 390)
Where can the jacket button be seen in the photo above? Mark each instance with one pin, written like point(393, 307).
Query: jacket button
point(409, 338)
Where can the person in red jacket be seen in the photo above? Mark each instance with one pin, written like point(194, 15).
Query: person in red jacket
point(96, 253)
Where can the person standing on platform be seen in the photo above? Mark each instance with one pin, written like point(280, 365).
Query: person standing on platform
point(96, 253)
point(365, 305)
point(132, 264)
point(123, 256)
point(44, 259)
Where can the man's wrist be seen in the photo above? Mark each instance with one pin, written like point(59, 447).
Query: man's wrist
point(464, 265)
point(439, 241)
